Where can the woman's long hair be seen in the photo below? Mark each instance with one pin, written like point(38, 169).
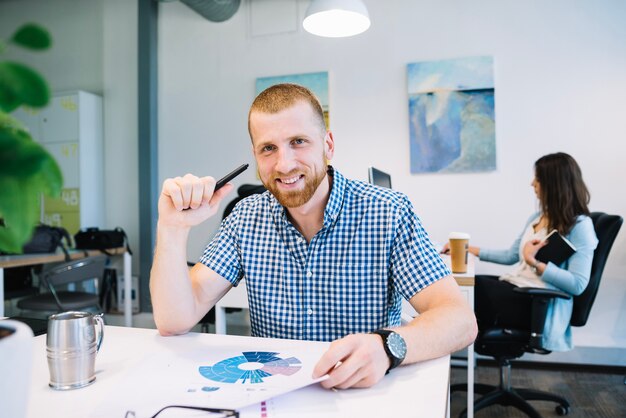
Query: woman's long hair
point(563, 195)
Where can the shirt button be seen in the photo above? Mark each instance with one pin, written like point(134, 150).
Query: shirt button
point(309, 274)
point(309, 311)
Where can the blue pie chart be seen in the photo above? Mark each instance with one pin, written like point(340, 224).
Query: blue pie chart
point(251, 367)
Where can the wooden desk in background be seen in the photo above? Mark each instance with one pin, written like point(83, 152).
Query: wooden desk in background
point(8, 261)
point(414, 390)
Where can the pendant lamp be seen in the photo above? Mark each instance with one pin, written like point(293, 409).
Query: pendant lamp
point(336, 18)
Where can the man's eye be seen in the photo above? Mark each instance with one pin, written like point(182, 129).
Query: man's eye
point(268, 148)
point(298, 141)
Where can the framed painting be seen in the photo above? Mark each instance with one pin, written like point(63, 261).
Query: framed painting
point(316, 82)
point(452, 116)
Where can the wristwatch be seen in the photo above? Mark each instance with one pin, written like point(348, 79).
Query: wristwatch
point(395, 346)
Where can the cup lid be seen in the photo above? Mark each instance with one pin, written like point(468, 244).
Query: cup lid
point(458, 235)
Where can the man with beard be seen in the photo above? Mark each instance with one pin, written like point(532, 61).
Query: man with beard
point(324, 258)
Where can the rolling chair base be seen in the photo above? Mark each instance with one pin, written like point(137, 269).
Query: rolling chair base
point(517, 398)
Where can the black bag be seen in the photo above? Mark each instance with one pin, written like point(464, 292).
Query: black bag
point(47, 239)
point(97, 239)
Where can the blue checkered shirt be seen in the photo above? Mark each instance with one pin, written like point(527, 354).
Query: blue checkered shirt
point(371, 251)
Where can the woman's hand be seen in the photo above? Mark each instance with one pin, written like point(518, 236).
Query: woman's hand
point(530, 250)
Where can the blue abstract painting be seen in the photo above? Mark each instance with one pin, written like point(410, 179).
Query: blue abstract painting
point(452, 116)
point(316, 82)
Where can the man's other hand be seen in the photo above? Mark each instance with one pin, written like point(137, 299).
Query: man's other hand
point(357, 360)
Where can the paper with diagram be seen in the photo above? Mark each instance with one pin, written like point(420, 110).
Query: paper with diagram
point(224, 377)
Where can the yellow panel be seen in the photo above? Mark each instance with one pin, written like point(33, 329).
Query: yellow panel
point(68, 220)
point(68, 201)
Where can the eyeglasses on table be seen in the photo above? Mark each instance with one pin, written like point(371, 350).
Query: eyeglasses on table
point(221, 412)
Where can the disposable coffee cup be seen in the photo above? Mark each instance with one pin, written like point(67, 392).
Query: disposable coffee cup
point(459, 249)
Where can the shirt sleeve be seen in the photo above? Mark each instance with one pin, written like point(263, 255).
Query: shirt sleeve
point(573, 276)
point(222, 254)
point(415, 264)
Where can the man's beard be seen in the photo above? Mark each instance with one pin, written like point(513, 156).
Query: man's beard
point(297, 198)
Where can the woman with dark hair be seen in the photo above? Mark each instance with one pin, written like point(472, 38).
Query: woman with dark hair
point(563, 199)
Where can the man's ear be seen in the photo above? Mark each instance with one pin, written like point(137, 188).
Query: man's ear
point(329, 145)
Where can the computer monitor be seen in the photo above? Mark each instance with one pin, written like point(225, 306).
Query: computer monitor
point(379, 178)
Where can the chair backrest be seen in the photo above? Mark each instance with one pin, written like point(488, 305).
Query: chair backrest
point(606, 227)
point(75, 271)
point(243, 191)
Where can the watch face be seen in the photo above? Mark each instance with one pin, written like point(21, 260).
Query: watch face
point(396, 345)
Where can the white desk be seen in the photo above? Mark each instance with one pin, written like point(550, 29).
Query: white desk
point(8, 261)
point(414, 390)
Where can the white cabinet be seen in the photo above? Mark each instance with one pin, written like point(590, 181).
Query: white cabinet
point(71, 129)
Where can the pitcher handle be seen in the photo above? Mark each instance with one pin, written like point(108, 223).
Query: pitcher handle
point(98, 318)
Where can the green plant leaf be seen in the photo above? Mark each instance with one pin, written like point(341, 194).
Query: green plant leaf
point(20, 203)
point(26, 171)
point(19, 158)
point(46, 175)
point(21, 85)
point(32, 36)
point(19, 207)
point(8, 100)
point(13, 125)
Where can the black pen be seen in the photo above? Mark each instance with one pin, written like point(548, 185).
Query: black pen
point(228, 177)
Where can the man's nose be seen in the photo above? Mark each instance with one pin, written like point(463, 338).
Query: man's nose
point(286, 161)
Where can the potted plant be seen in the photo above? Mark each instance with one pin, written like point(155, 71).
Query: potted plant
point(27, 170)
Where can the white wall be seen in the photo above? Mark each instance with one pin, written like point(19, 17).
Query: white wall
point(560, 70)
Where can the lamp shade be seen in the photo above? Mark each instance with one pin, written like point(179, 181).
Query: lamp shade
point(336, 18)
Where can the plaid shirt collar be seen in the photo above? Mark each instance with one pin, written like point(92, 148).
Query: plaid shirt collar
point(333, 206)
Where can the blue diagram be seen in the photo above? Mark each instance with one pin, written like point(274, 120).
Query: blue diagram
point(251, 367)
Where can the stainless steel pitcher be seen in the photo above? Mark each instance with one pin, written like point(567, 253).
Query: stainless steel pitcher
point(71, 347)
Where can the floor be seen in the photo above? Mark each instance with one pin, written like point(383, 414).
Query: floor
point(591, 393)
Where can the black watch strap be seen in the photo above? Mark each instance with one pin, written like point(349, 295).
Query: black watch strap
point(394, 361)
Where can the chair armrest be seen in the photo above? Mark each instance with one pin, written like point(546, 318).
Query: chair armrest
point(542, 292)
point(539, 299)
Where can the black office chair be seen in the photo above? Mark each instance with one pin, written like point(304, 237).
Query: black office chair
point(243, 191)
point(57, 300)
point(507, 344)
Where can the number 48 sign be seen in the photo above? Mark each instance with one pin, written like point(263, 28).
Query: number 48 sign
point(70, 197)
